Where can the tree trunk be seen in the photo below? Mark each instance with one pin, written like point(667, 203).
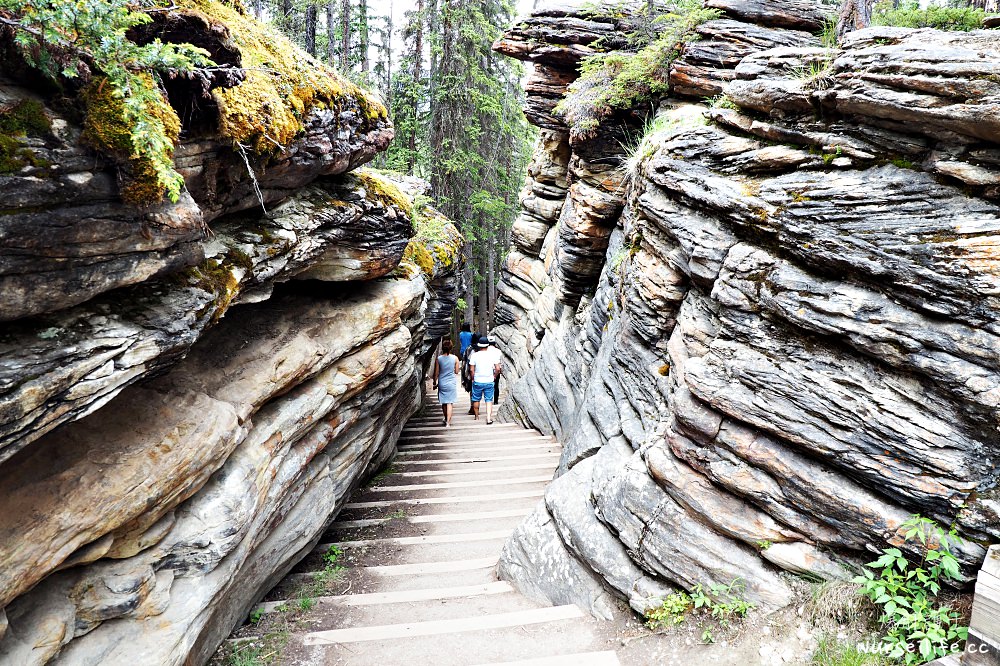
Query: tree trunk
point(470, 302)
point(345, 36)
point(311, 29)
point(491, 277)
point(434, 27)
point(854, 15)
point(484, 306)
point(258, 9)
point(418, 67)
point(288, 17)
point(331, 32)
point(363, 38)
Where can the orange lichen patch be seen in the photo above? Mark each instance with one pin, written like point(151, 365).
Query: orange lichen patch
point(981, 254)
point(283, 84)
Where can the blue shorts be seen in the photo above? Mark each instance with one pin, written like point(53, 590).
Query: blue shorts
point(482, 391)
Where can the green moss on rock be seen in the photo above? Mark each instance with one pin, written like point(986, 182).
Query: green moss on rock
point(25, 118)
point(266, 111)
point(106, 129)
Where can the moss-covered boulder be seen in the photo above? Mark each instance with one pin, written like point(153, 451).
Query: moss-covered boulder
point(82, 215)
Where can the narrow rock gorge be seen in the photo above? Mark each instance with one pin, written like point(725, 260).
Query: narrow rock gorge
point(189, 391)
point(766, 333)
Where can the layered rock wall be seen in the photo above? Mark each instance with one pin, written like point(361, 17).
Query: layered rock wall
point(190, 391)
point(772, 338)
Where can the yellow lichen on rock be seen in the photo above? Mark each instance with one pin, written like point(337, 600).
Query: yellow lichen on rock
point(106, 129)
point(283, 84)
point(384, 191)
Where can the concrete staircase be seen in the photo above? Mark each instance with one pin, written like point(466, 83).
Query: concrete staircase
point(423, 544)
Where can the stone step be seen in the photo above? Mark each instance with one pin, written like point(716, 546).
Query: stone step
point(438, 426)
point(467, 442)
point(541, 640)
point(489, 458)
point(485, 432)
point(419, 501)
point(455, 488)
point(397, 597)
point(396, 510)
point(534, 467)
point(333, 617)
point(450, 626)
point(418, 551)
point(604, 658)
point(426, 539)
point(431, 518)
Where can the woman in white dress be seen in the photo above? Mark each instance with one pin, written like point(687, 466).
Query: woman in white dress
point(446, 371)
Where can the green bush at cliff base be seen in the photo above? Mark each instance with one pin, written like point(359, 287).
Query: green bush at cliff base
point(611, 82)
point(722, 603)
point(918, 628)
point(910, 15)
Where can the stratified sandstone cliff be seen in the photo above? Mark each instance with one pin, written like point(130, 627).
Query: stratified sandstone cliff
point(189, 391)
point(775, 338)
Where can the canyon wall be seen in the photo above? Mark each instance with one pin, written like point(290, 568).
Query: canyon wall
point(768, 336)
point(189, 391)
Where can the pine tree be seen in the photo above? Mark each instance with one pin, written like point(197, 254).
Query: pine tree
point(456, 107)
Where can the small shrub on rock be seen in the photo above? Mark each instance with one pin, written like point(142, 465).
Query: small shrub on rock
point(910, 15)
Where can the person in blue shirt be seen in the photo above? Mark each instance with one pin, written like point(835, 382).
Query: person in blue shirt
point(464, 340)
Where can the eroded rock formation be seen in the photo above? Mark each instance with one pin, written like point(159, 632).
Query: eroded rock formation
point(774, 339)
point(189, 391)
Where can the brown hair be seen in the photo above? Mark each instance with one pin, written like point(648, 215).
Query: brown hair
point(446, 346)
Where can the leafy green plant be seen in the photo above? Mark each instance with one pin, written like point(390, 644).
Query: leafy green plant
point(722, 602)
point(611, 82)
point(723, 102)
point(671, 613)
point(917, 628)
point(332, 555)
point(67, 40)
point(764, 544)
point(256, 615)
point(910, 15)
point(306, 603)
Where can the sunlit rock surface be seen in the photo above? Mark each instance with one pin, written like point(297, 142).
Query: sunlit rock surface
point(189, 392)
point(774, 339)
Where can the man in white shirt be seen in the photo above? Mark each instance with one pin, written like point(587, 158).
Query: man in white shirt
point(485, 366)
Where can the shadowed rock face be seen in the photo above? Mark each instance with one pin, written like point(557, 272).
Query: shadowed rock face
point(166, 456)
point(784, 329)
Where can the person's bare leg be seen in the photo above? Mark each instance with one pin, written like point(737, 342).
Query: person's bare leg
point(451, 412)
point(489, 412)
point(444, 412)
point(475, 409)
